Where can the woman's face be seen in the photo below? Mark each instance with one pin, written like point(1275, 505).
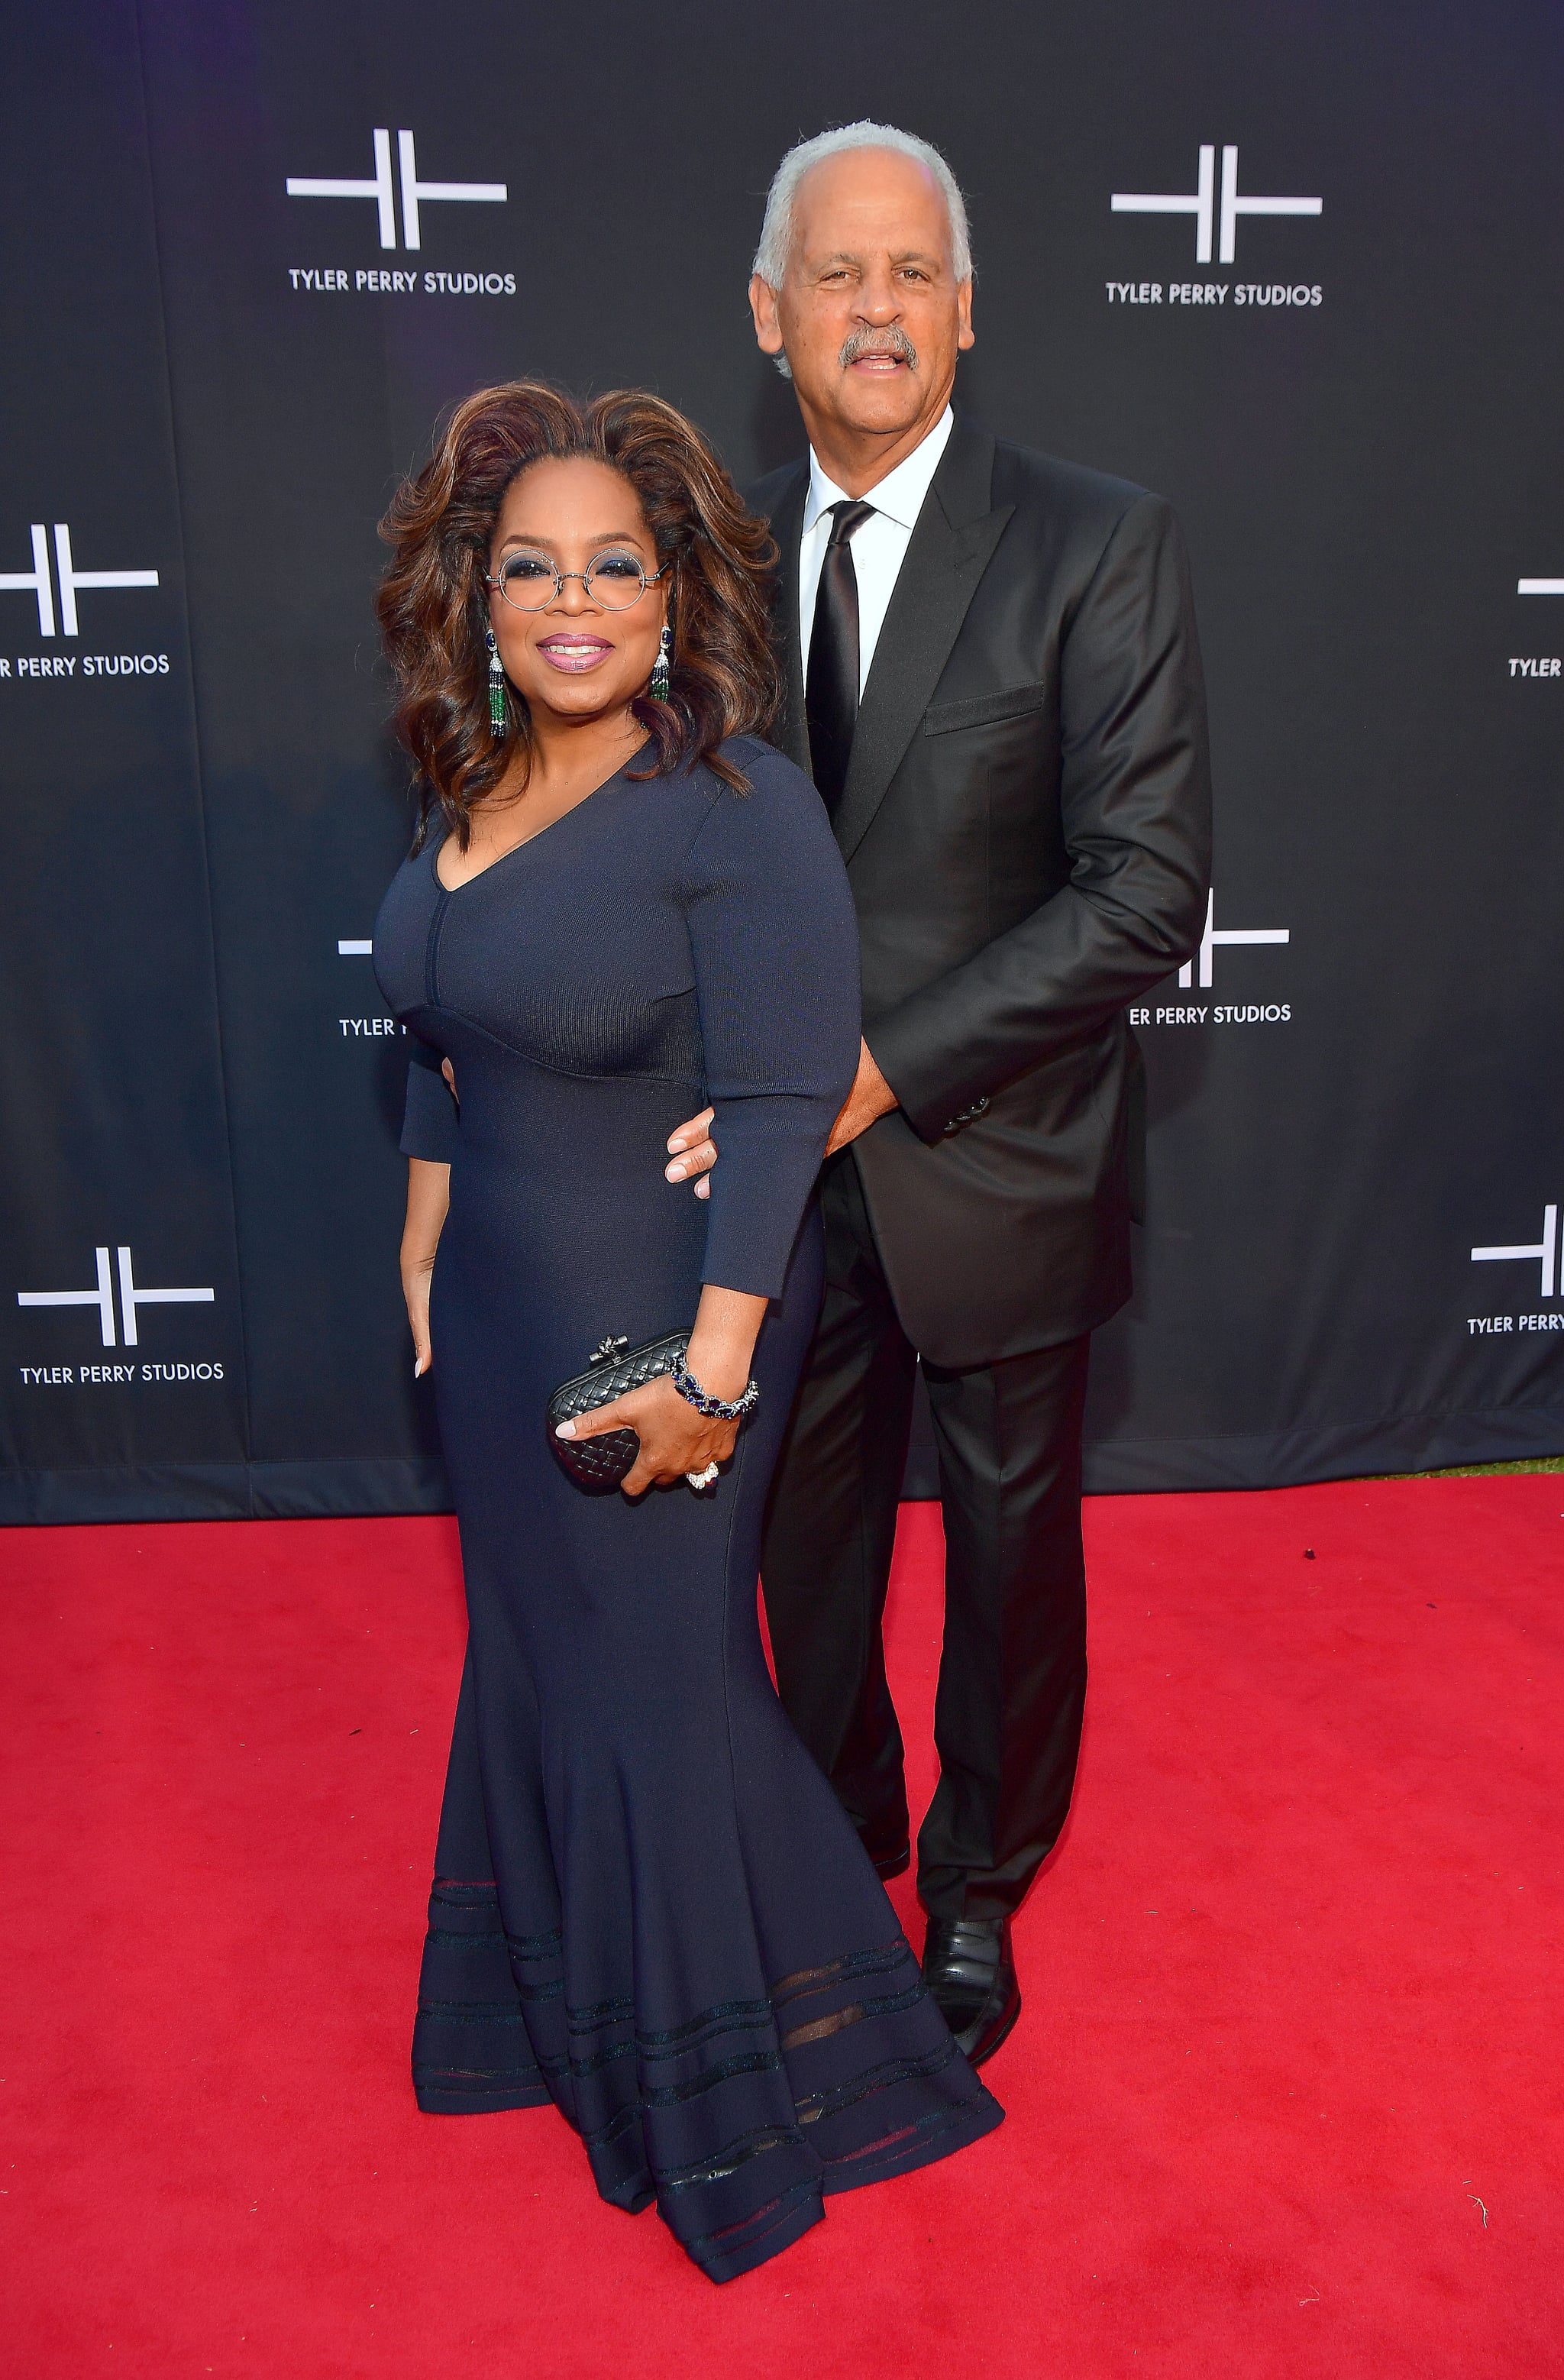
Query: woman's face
point(580, 656)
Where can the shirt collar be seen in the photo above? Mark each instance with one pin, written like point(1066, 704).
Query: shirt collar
point(899, 496)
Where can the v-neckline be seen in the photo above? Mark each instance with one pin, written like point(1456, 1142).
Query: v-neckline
point(449, 890)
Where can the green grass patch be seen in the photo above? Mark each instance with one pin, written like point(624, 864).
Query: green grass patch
point(1484, 1470)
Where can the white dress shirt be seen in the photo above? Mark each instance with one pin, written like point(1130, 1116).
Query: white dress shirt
point(880, 546)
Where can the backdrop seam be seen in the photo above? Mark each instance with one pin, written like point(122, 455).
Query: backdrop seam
point(195, 736)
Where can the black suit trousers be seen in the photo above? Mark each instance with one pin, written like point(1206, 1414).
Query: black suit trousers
point(1013, 1673)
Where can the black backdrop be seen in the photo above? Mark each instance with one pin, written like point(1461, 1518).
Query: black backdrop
point(210, 378)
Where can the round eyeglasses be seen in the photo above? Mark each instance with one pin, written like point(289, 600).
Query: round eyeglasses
point(530, 582)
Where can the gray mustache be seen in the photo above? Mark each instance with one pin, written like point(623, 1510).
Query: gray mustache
point(865, 342)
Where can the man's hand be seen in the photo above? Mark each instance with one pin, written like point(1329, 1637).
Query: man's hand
point(693, 1152)
point(870, 1097)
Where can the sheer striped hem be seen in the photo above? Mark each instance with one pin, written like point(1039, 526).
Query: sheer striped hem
point(740, 2118)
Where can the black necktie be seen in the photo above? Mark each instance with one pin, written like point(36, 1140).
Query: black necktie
point(831, 689)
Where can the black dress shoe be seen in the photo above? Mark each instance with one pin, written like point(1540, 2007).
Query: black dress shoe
point(891, 1863)
point(970, 1976)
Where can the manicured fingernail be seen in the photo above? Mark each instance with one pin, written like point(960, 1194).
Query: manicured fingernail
point(566, 1429)
point(675, 1173)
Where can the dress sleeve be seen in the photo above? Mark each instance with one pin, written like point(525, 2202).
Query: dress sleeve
point(429, 1121)
point(775, 945)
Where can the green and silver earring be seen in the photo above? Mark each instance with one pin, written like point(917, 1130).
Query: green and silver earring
point(662, 667)
point(496, 688)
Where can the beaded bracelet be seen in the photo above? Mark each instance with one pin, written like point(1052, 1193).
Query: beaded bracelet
point(714, 1408)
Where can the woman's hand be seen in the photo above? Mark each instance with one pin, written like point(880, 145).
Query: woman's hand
point(429, 1196)
point(678, 1438)
point(415, 1280)
point(675, 1439)
point(693, 1151)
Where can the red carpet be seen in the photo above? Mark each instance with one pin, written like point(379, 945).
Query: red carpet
point(1284, 2098)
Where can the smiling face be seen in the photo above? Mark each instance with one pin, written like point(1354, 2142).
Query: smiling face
point(870, 314)
point(578, 658)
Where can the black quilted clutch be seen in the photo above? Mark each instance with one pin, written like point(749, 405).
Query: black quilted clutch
point(614, 1369)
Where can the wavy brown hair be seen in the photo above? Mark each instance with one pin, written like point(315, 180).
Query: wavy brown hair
point(433, 604)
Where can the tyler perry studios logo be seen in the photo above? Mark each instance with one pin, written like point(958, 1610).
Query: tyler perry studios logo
point(1544, 1253)
point(1204, 966)
point(381, 191)
point(62, 618)
point(116, 1330)
point(1536, 664)
point(1215, 213)
point(365, 1028)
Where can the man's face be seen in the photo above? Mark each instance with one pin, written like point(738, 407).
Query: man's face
point(870, 312)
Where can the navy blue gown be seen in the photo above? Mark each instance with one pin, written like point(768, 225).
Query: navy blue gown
point(648, 1907)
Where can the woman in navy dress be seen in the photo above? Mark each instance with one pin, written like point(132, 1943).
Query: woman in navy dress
point(648, 1907)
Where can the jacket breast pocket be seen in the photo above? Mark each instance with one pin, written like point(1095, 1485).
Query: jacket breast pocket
point(984, 710)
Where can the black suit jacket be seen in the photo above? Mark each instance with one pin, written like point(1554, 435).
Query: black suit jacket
point(1025, 824)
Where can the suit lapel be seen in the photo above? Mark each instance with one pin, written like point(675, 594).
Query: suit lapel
point(792, 732)
point(948, 551)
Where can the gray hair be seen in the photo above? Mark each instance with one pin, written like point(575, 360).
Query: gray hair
point(776, 232)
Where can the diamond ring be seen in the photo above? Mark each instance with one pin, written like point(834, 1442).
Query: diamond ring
point(702, 1478)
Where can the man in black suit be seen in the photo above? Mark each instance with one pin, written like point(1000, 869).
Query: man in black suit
point(993, 674)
